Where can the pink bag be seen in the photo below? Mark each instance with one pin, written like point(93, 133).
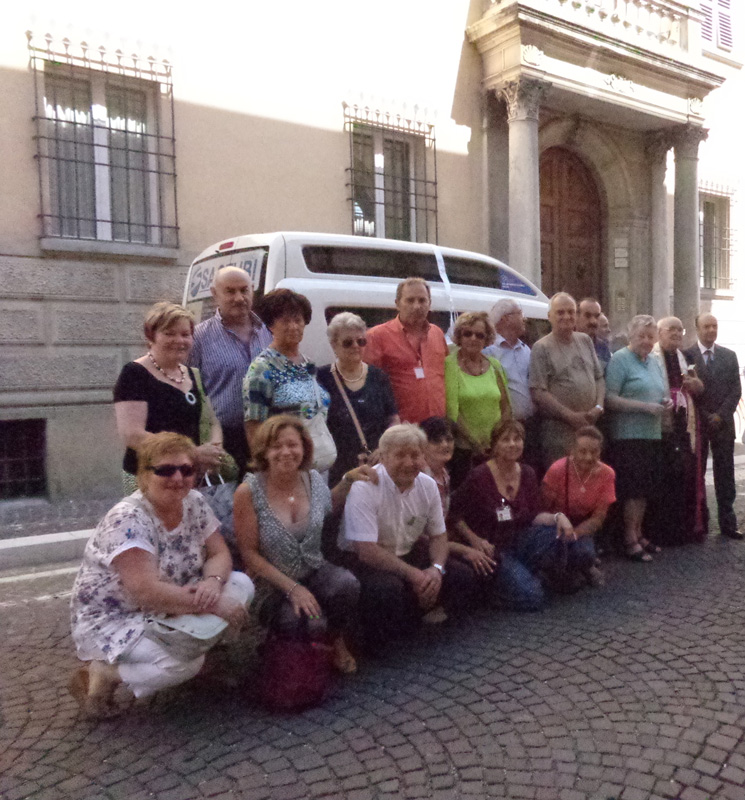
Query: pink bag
point(294, 674)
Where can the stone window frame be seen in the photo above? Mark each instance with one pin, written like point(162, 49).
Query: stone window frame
point(392, 177)
point(113, 109)
point(716, 239)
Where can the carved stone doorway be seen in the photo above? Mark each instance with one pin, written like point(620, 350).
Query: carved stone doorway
point(571, 226)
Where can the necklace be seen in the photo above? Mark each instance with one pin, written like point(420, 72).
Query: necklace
point(582, 483)
point(511, 482)
point(351, 380)
point(189, 396)
point(469, 370)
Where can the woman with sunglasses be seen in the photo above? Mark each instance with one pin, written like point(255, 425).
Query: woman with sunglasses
point(157, 554)
point(366, 389)
point(476, 393)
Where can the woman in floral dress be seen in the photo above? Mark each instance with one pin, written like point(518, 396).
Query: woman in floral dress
point(157, 555)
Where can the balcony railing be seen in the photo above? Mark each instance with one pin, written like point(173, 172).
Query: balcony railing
point(663, 26)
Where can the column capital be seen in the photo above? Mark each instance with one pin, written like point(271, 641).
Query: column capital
point(656, 145)
point(686, 139)
point(523, 98)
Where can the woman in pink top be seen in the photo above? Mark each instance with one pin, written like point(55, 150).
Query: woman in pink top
point(583, 488)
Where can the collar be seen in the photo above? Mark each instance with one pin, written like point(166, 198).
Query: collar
point(398, 325)
point(256, 323)
point(390, 486)
point(703, 349)
point(500, 341)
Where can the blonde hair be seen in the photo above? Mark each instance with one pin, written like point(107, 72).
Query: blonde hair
point(267, 434)
point(468, 320)
point(162, 315)
point(158, 445)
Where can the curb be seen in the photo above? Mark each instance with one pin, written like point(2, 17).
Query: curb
point(47, 548)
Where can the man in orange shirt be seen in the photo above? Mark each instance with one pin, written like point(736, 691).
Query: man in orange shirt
point(412, 353)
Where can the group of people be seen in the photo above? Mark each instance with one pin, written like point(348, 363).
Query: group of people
point(459, 479)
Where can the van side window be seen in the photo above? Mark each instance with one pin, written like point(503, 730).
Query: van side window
point(370, 263)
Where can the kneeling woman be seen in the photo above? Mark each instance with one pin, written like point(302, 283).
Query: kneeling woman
point(496, 510)
point(157, 554)
point(583, 488)
point(278, 515)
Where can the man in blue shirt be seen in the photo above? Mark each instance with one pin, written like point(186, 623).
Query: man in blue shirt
point(588, 319)
point(224, 347)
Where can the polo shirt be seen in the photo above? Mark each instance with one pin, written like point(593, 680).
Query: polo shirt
point(223, 360)
point(389, 348)
point(393, 519)
point(516, 363)
point(630, 377)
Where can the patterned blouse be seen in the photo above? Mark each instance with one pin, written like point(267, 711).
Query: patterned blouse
point(294, 553)
point(276, 385)
point(106, 623)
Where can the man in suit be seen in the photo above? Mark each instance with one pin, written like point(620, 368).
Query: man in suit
point(718, 369)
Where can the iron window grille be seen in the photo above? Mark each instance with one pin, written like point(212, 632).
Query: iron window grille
point(22, 458)
point(715, 241)
point(105, 145)
point(392, 177)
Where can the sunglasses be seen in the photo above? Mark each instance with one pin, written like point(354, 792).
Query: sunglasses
point(347, 343)
point(468, 334)
point(169, 470)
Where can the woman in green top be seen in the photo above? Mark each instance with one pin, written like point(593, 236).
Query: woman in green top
point(475, 385)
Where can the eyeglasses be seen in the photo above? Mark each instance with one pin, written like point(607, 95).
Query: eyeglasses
point(169, 470)
point(347, 343)
point(467, 334)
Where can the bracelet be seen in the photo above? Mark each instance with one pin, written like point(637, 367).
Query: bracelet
point(289, 594)
point(216, 577)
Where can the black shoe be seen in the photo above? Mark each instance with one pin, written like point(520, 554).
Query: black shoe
point(735, 534)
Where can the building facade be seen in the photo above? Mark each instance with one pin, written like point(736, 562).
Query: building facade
point(586, 143)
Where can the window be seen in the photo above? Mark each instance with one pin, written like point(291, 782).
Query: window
point(105, 147)
point(716, 26)
point(392, 176)
point(715, 241)
point(22, 458)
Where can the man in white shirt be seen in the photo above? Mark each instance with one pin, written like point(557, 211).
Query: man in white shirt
point(396, 532)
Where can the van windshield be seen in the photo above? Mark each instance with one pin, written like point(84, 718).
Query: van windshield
point(398, 264)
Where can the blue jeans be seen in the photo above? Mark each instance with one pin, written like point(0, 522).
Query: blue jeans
point(515, 584)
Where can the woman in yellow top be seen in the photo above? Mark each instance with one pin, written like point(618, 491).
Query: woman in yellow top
point(475, 385)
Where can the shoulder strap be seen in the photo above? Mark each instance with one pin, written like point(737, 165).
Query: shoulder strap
point(343, 392)
point(497, 373)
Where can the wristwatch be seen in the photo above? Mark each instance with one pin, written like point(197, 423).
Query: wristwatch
point(439, 568)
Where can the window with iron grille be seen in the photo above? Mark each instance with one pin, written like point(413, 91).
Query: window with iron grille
point(715, 241)
point(392, 176)
point(716, 23)
point(105, 146)
point(22, 458)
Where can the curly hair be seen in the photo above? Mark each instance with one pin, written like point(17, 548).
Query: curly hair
point(283, 303)
point(468, 320)
point(162, 315)
point(266, 436)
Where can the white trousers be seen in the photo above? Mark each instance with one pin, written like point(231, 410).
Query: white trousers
point(148, 667)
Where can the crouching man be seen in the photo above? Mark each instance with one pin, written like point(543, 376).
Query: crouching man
point(395, 533)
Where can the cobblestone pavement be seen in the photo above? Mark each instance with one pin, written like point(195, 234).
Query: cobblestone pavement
point(634, 691)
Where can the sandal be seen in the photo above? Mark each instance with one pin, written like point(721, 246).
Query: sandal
point(342, 660)
point(649, 547)
point(640, 554)
point(92, 707)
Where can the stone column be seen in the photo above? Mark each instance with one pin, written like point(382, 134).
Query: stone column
point(523, 98)
point(686, 275)
point(657, 145)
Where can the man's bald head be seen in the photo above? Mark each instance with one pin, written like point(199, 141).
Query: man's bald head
point(233, 293)
point(707, 328)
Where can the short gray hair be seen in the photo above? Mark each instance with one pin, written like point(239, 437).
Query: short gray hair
point(401, 435)
point(342, 321)
point(503, 307)
point(561, 296)
point(641, 321)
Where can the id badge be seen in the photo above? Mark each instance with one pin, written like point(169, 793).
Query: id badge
point(419, 373)
point(504, 513)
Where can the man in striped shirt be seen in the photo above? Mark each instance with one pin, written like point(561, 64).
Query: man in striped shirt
point(224, 346)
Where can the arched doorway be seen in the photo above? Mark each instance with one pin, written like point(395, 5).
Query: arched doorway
point(571, 226)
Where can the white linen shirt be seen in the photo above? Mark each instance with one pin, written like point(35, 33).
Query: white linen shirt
point(390, 517)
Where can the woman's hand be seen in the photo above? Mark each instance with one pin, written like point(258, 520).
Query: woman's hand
point(209, 456)
point(658, 409)
point(303, 602)
point(362, 473)
point(564, 528)
point(487, 548)
point(482, 564)
point(206, 593)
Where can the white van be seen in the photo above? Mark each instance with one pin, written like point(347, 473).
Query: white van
point(360, 274)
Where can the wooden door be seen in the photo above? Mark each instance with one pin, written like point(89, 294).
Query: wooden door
point(571, 226)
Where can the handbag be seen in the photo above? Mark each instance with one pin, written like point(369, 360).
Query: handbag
point(228, 467)
point(557, 576)
point(219, 496)
point(294, 673)
point(324, 447)
point(186, 636)
point(364, 456)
